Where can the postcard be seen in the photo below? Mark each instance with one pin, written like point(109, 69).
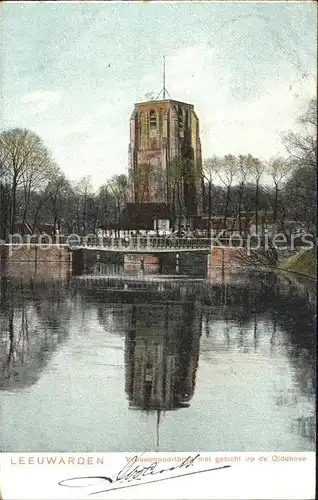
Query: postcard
point(158, 251)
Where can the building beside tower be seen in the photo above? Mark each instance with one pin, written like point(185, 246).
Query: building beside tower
point(165, 156)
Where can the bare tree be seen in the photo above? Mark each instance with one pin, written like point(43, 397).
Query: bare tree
point(107, 204)
point(4, 209)
point(211, 167)
point(177, 175)
point(36, 179)
point(118, 185)
point(302, 146)
point(242, 175)
point(24, 162)
point(83, 190)
point(256, 170)
point(59, 190)
point(279, 168)
point(38, 197)
point(300, 191)
point(226, 174)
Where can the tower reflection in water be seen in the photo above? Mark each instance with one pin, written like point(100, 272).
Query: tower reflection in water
point(161, 356)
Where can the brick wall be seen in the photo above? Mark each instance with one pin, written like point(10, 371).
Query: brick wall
point(36, 270)
point(230, 256)
point(34, 253)
point(137, 258)
point(133, 262)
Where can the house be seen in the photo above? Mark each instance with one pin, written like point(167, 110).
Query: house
point(45, 228)
point(147, 216)
point(245, 223)
point(142, 217)
point(25, 228)
point(22, 227)
point(220, 223)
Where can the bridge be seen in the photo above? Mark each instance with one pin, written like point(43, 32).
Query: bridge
point(131, 244)
point(195, 256)
point(187, 251)
point(149, 244)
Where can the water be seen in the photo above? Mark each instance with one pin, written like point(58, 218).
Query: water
point(138, 364)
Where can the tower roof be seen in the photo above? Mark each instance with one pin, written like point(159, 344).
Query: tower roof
point(155, 101)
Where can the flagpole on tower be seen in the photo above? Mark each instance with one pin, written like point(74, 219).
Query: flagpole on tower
point(164, 92)
point(164, 78)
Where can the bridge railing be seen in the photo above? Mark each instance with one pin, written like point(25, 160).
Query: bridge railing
point(161, 243)
point(144, 242)
point(151, 243)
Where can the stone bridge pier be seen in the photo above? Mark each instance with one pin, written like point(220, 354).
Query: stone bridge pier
point(36, 261)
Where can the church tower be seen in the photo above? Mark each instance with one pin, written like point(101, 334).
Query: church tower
point(165, 153)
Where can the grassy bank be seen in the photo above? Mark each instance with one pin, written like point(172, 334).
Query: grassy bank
point(304, 263)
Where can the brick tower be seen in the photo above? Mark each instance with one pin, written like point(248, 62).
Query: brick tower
point(165, 154)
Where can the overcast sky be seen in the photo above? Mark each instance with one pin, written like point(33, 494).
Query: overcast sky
point(72, 72)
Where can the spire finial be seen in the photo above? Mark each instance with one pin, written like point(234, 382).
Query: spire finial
point(163, 91)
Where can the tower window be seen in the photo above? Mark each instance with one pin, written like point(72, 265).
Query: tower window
point(187, 118)
point(140, 122)
point(160, 121)
point(180, 119)
point(153, 120)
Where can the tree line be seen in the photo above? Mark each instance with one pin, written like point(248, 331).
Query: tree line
point(34, 190)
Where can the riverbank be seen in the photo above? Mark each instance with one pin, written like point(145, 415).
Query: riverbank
point(304, 263)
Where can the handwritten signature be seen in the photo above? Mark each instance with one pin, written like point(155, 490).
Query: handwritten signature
point(132, 472)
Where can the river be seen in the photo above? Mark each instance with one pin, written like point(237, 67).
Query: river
point(103, 362)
